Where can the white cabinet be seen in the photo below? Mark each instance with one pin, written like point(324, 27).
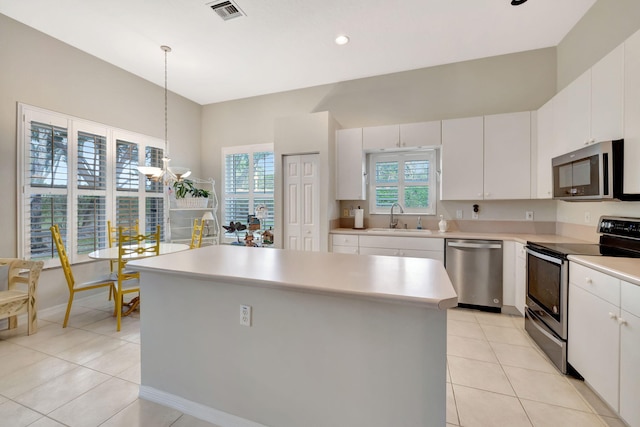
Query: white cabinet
point(632, 114)
point(350, 161)
point(478, 152)
point(409, 135)
point(572, 115)
point(344, 243)
point(630, 354)
point(542, 155)
point(507, 153)
point(607, 96)
point(520, 277)
point(417, 247)
point(604, 337)
point(462, 154)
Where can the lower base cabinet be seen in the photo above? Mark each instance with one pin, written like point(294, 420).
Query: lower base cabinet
point(630, 354)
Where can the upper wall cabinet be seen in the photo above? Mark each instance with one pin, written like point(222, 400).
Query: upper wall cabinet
point(462, 159)
point(607, 96)
point(408, 135)
point(542, 174)
point(350, 161)
point(572, 115)
point(507, 156)
point(632, 114)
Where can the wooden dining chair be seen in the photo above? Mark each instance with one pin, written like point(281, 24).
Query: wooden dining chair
point(196, 234)
point(101, 282)
point(132, 247)
point(112, 240)
point(14, 300)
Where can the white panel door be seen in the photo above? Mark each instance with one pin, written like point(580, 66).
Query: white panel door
point(301, 203)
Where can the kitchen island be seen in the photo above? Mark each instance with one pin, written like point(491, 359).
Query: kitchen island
point(334, 339)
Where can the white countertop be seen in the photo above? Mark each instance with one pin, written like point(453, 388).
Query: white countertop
point(416, 281)
point(521, 238)
point(627, 269)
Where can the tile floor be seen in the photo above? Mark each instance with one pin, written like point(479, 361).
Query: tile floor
point(88, 375)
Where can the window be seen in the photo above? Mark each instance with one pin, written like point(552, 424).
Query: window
point(79, 174)
point(407, 178)
point(248, 183)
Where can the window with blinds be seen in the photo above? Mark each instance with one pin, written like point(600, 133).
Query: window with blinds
point(78, 180)
point(407, 178)
point(248, 183)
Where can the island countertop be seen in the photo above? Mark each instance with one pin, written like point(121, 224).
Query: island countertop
point(416, 281)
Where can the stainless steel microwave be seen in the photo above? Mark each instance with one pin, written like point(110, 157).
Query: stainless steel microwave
point(590, 173)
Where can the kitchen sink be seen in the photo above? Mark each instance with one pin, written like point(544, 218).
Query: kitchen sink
point(398, 230)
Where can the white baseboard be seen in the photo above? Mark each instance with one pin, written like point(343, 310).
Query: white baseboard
point(194, 409)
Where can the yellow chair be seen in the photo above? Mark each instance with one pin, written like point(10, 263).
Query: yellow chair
point(113, 240)
point(15, 301)
point(196, 234)
point(132, 247)
point(74, 287)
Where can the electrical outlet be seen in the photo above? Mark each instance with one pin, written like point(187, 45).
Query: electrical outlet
point(474, 215)
point(587, 217)
point(529, 216)
point(245, 315)
point(459, 214)
point(345, 212)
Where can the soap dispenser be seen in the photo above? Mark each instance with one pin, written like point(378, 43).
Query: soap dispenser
point(442, 225)
point(419, 224)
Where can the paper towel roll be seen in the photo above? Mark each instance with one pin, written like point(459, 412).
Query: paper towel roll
point(359, 218)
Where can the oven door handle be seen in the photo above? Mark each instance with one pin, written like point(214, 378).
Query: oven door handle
point(545, 257)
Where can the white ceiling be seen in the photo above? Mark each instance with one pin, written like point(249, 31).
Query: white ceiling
point(289, 44)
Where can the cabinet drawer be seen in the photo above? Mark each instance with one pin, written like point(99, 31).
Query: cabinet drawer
point(345, 249)
point(599, 284)
point(413, 253)
point(393, 242)
point(630, 298)
point(344, 240)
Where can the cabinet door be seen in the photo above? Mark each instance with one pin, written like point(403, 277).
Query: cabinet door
point(421, 134)
point(630, 368)
point(607, 96)
point(631, 114)
point(594, 342)
point(350, 160)
point(572, 115)
point(543, 154)
point(381, 137)
point(507, 153)
point(521, 277)
point(462, 159)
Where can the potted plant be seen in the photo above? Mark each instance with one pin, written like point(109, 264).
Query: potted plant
point(189, 196)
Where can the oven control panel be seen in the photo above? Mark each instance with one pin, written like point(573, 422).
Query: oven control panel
point(618, 226)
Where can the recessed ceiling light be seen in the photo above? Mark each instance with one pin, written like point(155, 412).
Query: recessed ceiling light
point(517, 2)
point(341, 40)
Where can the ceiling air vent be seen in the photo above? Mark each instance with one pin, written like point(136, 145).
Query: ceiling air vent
point(226, 9)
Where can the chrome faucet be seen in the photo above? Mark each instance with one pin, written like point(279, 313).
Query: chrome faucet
point(393, 223)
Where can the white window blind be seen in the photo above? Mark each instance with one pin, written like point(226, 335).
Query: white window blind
point(79, 174)
point(407, 178)
point(248, 182)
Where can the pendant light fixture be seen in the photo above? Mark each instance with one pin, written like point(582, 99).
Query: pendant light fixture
point(166, 173)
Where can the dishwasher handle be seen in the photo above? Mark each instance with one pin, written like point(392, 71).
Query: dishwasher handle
point(475, 245)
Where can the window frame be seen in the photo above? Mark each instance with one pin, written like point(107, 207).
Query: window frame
point(429, 154)
point(73, 125)
point(250, 150)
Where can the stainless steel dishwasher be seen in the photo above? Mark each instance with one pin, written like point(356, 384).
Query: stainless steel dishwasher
point(475, 269)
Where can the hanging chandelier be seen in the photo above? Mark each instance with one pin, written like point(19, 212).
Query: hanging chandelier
point(165, 173)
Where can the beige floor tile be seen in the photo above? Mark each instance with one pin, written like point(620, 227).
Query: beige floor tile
point(494, 319)
point(98, 404)
point(481, 375)
point(505, 335)
point(61, 390)
point(46, 330)
point(518, 322)
point(46, 422)
point(452, 411)
point(465, 329)
point(545, 415)
point(60, 343)
point(143, 413)
point(91, 349)
point(522, 357)
point(31, 376)
point(470, 348)
point(132, 374)
point(545, 388)
point(613, 422)
point(479, 408)
point(598, 406)
point(18, 359)
point(461, 314)
point(189, 421)
point(98, 301)
point(15, 415)
point(88, 317)
point(56, 314)
point(118, 360)
point(7, 347)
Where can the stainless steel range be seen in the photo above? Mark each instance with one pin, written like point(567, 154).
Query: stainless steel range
point(546, 314)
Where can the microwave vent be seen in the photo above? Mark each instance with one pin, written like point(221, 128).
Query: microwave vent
point(226, 9)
